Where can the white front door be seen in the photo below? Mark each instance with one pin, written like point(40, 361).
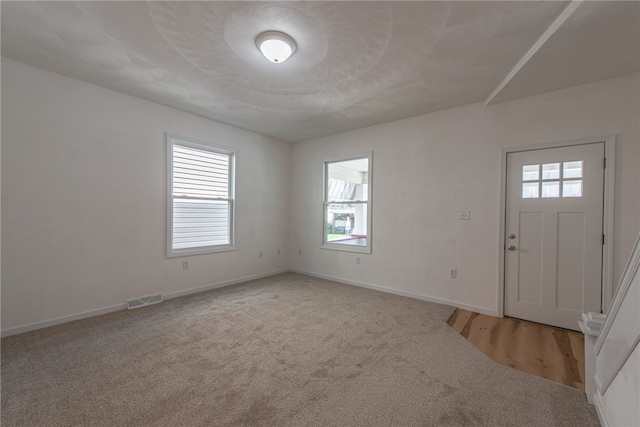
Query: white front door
point(553, 235)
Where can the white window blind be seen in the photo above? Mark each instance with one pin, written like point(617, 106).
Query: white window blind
point(201, 198)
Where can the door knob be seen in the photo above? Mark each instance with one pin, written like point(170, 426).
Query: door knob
point(511, 248)
point(512, 236)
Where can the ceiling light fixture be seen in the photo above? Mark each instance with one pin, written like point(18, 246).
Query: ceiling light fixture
point(277, 47)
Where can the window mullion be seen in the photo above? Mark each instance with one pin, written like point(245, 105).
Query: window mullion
point(221, 199)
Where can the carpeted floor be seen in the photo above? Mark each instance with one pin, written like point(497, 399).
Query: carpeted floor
point(285, 350)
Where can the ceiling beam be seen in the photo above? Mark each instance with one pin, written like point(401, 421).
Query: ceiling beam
point(560, 20)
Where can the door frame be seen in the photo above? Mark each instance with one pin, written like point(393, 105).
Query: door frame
point(607, 218)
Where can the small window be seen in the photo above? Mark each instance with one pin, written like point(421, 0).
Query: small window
point(530, 190)
point(551, 171)
point(572, 188)
point(347, 205)
point(562, 179)
point(200, 198)
point(572, 169)
point(551, 189)
point(531, 172)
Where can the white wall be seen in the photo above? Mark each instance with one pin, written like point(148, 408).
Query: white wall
point(83, 197)
point(619, 405)
point(428, 168)
point(83, 192)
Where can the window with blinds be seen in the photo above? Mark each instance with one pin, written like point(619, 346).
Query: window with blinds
point(201, 198)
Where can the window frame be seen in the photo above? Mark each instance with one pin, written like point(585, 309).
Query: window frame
point(171, 140)
point(369, 205)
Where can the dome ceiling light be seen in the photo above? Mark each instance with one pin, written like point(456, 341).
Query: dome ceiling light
point(277, 47)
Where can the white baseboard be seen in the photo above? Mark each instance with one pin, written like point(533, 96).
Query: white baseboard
point(123, 306)
point(222, 284)
point(597, 403)
point(442, 301)
point(61, 320)
point(171, 295)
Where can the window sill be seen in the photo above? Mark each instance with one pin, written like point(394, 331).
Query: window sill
point(345, 247)
point(203, 251)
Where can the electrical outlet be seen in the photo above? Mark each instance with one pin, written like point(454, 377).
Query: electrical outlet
point(185, 265)
point(357, 260)
point(278, 251)
point(464, 215)
point(260, 254)
point(453, 273)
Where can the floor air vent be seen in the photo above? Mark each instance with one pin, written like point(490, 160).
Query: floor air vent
point(143, 301)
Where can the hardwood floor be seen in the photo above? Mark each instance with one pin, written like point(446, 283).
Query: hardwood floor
point(545, 351)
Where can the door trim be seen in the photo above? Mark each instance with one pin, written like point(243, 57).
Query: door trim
point(607, 218)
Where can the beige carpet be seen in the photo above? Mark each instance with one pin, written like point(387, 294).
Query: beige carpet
point(286, 350)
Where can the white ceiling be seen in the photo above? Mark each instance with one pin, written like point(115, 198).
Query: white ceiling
point(357, 63)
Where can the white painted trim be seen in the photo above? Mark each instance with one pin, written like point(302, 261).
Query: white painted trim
point(502, 222)
point(105, 310)
point(123, 306)
point(633, 264)
point(222, 284)
point(560, 20)
point(607, 226)
point(597, 381)
point(597, 403)
point(384, 289)
point(607, 223)
point(61, 320)
point(603, 386)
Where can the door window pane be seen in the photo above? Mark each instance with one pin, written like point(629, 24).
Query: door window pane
point(545, 180)
point(551, 189)
point(531, 173)
point(550, 171)
point(572, 169)
point(530, 190)
point(572, 188)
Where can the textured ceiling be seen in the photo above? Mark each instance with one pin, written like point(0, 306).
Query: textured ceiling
point(357, 63)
